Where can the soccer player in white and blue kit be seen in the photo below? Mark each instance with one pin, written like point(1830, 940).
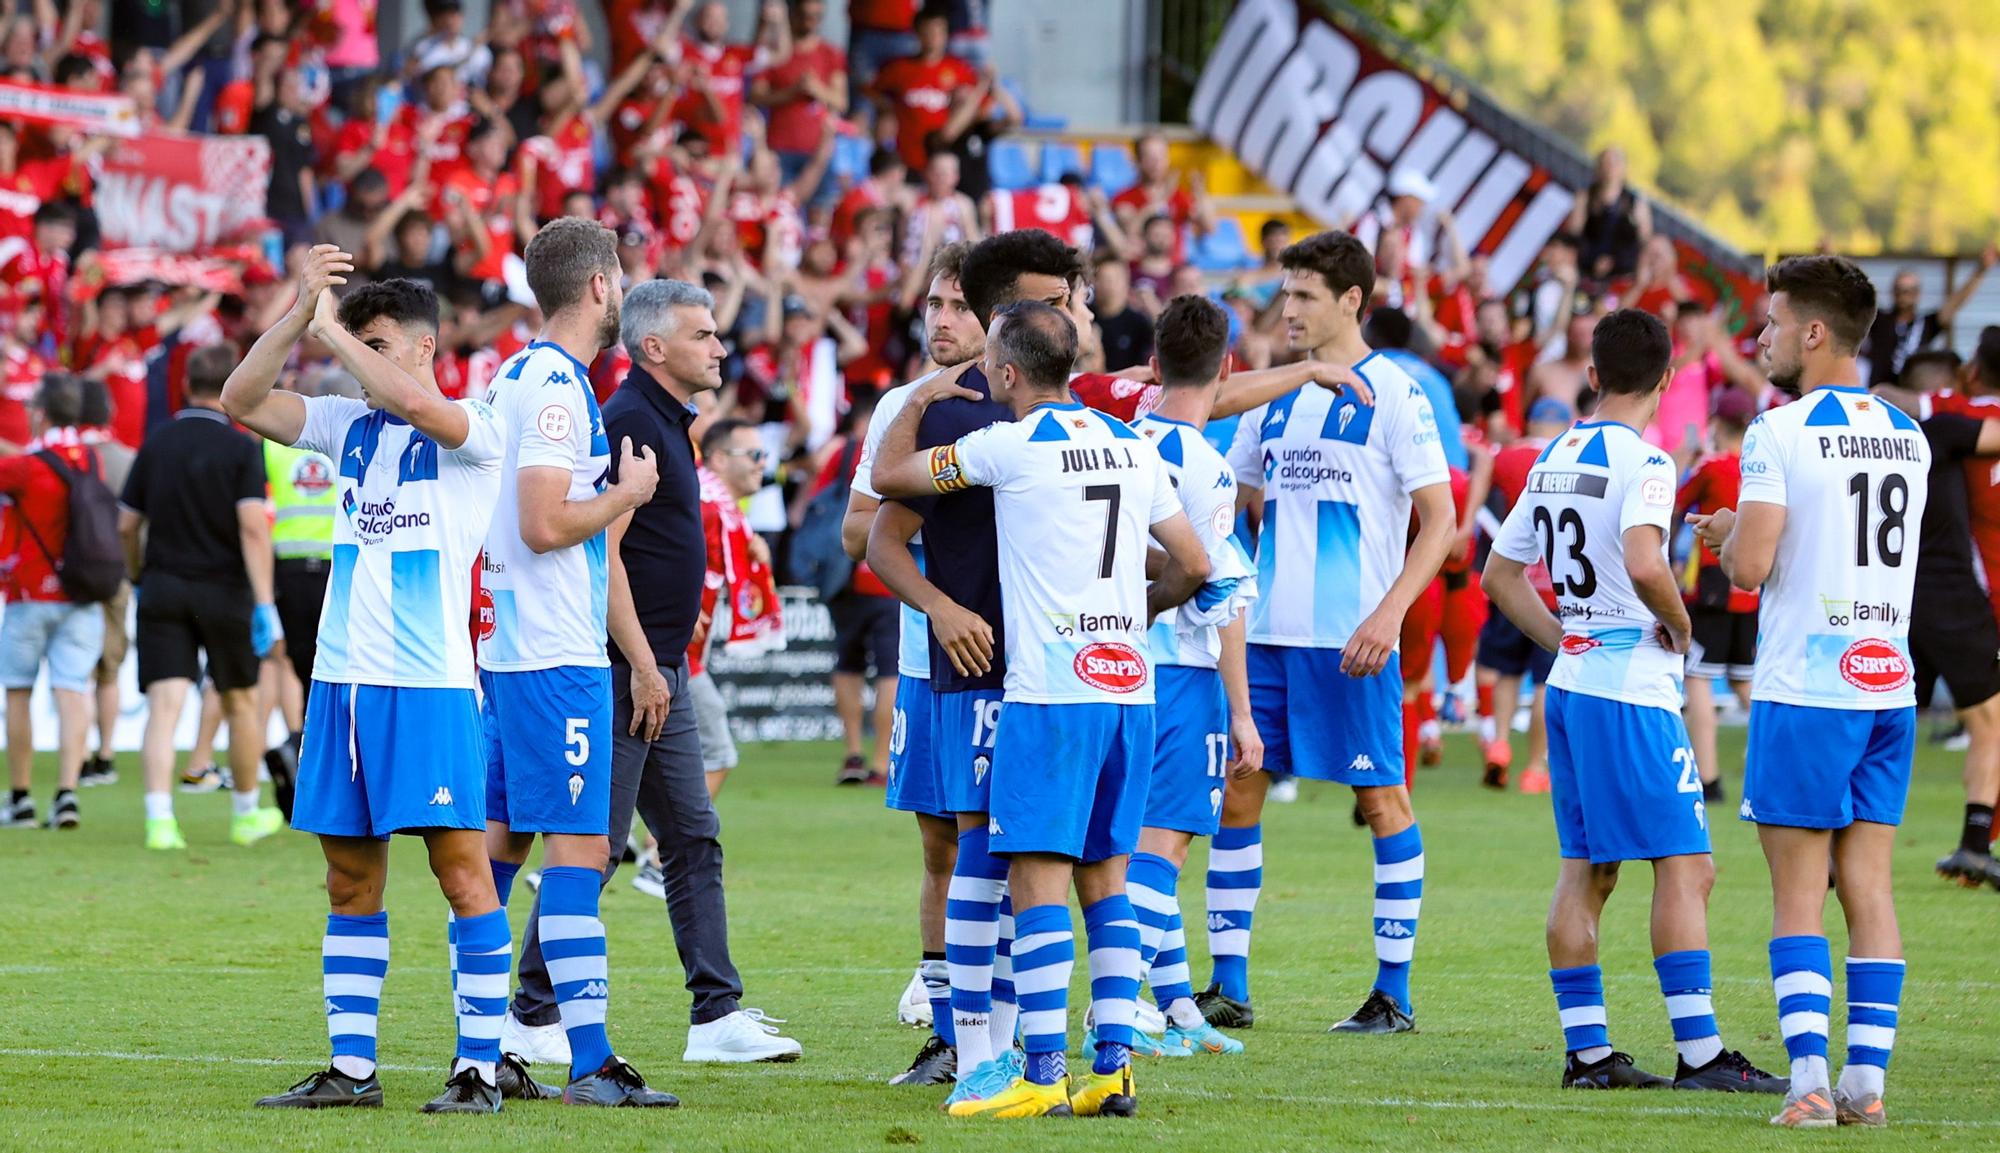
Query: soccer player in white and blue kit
point(1834, 487)
point(544, 671)
point(1076, 496)
point(1597, 510)
point(1203, 730)
point(1337, 479)
point(392, 737)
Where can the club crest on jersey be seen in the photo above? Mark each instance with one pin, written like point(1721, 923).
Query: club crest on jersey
point(1576, 644)
point(1111, 667)
point(1874, 665)
point(575, 787)
point(1346, 416)
point(980, 765)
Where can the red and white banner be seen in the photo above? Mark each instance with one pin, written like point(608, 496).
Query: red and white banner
point(140, 265)
point(1327, 117)
point(181, 193)
point(97, 113)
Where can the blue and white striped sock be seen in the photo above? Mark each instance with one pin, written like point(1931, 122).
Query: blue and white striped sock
point(971, 934)
point(1580, 1001)
point(937, 990)
point(353, 960)
point(1044, 955)
point(1152, 883)
point(1235, 878)
point(1006, 1006)
point(1686, 984)
point(573, 947)
point(1874, 994)
point(1399, 891)
point(503, 885)
point(485, 958)
point(1802, 978)
point(1112, 931)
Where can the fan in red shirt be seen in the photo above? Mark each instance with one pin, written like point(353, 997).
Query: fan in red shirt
point(1982, 474)
point(1452, 609)
point(1506, 655)
point(1162, 191)
point(1724, 618)
point(25, 185)
point(1063, 209)
point(116, 352)
point(38, 266)
point(441, 122)
point(806, 89)
point(365, 141)
point(39, 508)
point(562, 161)
point(24, 366)
point(917, 93)
point(713, 73)
point(885, 186)
point(483, 203)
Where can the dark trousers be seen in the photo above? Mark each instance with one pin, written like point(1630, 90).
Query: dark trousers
point(665, 783)
point(300, 584)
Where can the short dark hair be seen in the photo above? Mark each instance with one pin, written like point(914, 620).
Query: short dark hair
point(208, 368)
point(1944, 360)
point(1191, 337)
point(949, 261)
point(403, 301)
point(992, 269)
point(73, 67)
point(367, 180)
point(1039, 340)
point(883, 161)
point(1339, 257)
point(1271, 227)
point(562, 258)
point(1388, 328)
point(1631, 351)
point(482, 126)
point(719, 433)
point(55, 212)
point(60, 397)
point(94, 411)
point(1830, 289)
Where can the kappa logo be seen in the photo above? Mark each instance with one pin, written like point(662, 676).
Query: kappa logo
point(1218, 923)
point(993, 828)
point(1395, 929)
point(1744, 812)
point(467, 1008)
point(1362, 763)
point(595, 989)
point(441, 797)
point(980, 765)
point(331, 1008)
point(575, 787)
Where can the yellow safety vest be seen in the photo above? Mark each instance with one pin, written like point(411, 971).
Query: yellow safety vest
point(302, 492)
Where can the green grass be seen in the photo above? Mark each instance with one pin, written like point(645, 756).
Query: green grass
point(151, 997)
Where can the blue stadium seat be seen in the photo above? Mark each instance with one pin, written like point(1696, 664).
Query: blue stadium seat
point(1009, 165)
point(1223, 249)
point(850, 158)
point(1112, 168)
point(1060, 158)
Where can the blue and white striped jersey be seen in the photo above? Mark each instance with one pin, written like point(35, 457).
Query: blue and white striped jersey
point(1206, 487)
point(1336, 477)
point(407, 529)
point(548, 608)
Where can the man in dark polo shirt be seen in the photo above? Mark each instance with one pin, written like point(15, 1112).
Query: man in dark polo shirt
point(204, 588)
point(659, 558)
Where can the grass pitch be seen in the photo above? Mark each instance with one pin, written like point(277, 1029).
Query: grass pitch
point(151, 997)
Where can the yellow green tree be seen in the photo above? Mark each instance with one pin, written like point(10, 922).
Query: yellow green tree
point(1872, 124)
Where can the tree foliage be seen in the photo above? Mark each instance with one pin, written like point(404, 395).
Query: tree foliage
point(1874, 124)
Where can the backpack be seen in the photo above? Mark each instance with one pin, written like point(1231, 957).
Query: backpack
point(817, 557)
point(92, 566)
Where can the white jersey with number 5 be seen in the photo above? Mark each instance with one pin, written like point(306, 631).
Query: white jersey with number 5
point(1075, 496)
point(548, 608)
point(1588, 488)
point(1851, 472)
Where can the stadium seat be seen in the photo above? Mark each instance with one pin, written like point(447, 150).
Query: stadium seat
point(1009, 166)
point(850, 159)
point(1223, 249)
point(1112, 168)
point(1059, 159)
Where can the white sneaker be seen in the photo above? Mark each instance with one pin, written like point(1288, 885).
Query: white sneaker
point(1286, 791)
point(651, 880)
point(914, 1009)
point(534, 1044)
point(1150, 1019)
point(742, 1036)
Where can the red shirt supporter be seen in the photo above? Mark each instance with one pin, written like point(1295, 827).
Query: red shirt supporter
point(41, 499)
point(452, 126)
point(122, 359)
point(23, 190)
point(1053, 208)
point(882, 15)
point(794, 125)
point(559, 164)
point(1982, 486)
point(24, 368)
point(1510, 479)
point(679, 202)
point(492, 203)
point(1715, 483)
point(718, 68)
point(922, 94)
point(1179, 207)
point(1128, 400)
point(394, 158)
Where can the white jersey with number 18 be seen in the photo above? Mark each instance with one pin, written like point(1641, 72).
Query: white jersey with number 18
point(1075, 496)
point(1589, 487)
point(1851, 472)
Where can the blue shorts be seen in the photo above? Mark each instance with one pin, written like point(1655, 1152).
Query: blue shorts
point(1813, 768)
point(376, 760)
point(963, 728)
point(913, 768)
point(1623, 780)
point(1320, 723)
point(1190, 750)
point(548, 749)
point(1505, 649)
point(70, 637)
point(1071, 779)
